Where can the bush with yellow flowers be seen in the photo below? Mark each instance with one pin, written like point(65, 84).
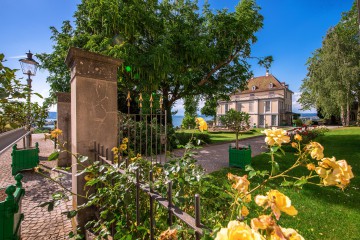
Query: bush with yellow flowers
point(323, 171)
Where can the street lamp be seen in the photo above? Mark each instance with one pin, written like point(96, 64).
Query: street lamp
point(29, 67)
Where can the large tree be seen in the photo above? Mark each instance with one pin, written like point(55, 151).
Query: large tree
point(332, 83)
point(173, 48)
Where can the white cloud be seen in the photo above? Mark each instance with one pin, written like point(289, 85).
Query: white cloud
point(296, 107)
point(179, 107)
point(17, 57)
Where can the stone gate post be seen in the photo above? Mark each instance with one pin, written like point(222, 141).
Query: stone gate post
point(63, 123)
point(93, 111)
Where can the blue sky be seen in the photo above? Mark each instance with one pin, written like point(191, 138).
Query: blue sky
point(292, 30)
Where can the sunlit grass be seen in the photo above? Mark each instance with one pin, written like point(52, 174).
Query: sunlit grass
point(224, 137)
point(324, 212)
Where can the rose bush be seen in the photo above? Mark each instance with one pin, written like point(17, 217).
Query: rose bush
point(328, 171)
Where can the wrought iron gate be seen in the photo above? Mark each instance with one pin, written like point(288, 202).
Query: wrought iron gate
point(146, 133)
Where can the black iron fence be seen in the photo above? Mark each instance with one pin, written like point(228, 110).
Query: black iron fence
point(106, 157)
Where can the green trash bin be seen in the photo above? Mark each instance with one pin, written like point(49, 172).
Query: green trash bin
point(24, 158)
point(239, 157)
point(10, 210)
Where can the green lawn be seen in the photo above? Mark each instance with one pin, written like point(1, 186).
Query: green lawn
point(324, 212)
point(220, 137)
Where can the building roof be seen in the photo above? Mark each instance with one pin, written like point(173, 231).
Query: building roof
point(262, 83)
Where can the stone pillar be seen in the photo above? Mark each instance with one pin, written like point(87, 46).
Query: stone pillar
point(93, 112)
point(63, 123)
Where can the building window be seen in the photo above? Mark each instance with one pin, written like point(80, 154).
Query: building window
point(251, 106)
point(226, 108)
point(253, 88)
point(271, 85)
point(267, 106)
point(262, 120)
point(273, 120)
point(238, 107)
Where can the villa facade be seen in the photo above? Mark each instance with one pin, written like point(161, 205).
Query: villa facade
point(267, 100)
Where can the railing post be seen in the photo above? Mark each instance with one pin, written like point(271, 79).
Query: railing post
point(151, 207)
point(169, 196)
point(137, 198)
point(197, 215)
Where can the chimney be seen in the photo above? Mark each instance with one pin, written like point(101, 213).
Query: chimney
point(267, 72)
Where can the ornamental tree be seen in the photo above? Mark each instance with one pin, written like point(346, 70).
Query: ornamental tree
point(236, 121)
point(174, 48)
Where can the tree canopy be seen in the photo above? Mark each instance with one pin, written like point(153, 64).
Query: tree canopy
point(13, 105)
point(333, 80)
point(173, 48)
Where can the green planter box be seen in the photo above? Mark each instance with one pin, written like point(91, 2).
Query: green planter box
point(24, 158)
point(239, 157)
point(10, 210)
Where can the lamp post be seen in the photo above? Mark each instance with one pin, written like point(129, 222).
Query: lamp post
point(29, 67)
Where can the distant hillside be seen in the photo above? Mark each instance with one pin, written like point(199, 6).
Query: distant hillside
point(52, 115)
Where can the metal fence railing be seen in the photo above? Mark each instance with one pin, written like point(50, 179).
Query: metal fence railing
point(104, 157)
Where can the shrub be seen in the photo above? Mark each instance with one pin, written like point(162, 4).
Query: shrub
point(182, 138)
point(298, 122)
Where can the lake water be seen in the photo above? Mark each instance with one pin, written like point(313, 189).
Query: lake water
point(178, 119)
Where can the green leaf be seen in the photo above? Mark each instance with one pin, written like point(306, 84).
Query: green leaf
point(286, 183)
point(51, 206)
point(274, 149)
point(70, 214)
point(275, 168)
point(252, 174)
point(39, 95)
point(249, 168)
point(300, 182)
point(83, 158)
point(54, 156)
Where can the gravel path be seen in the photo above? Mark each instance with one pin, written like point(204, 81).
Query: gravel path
point(216, 156)
point(38, 222)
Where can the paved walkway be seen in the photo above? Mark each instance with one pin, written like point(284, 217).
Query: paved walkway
point(216, 156)
point(38, 222)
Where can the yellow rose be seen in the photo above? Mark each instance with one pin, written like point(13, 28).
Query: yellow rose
point(238, 230)
point(334, 173)
point(294, 145)
point(125, 140)
point(202, 124)
point(122, 147)
point(262, 222)
point(275, 136)
point(291, 234)
point(115, 150)
point(244, 211)
point(169, 234)
point(344, 173)
point(310, 166)
point(298, 137)
point(89, 177)
point(316, 150)
point(55, 133)
point(278, 203)
point(241, 183)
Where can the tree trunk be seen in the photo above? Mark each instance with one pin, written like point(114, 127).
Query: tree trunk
point(347, 122)
point(167, 107)
point(237, 140)
point(342, 116)
point(358, 114)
